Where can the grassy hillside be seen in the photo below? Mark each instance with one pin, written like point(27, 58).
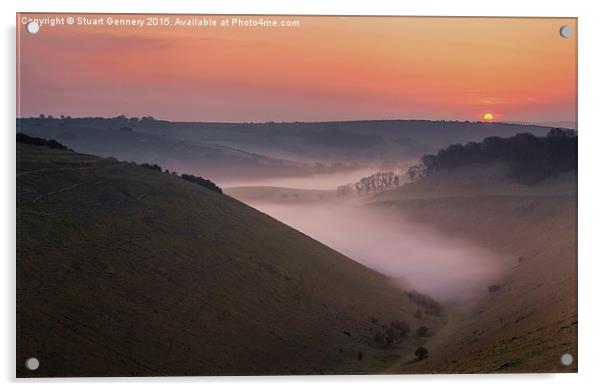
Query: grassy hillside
point(379, 139)
point(243, 151)
point(104, 137)
point(127, 271)
point(529, 317)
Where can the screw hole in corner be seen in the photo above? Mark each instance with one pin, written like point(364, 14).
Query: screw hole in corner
point(566, 31)
point(32, 27)
point(566, 359)
point(32, 363)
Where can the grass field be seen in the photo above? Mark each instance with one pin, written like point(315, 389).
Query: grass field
point(529, 319)
point(127, 271)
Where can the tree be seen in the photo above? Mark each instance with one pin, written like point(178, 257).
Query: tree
point(206, 183)
point(155, 167)
point(23, 138)
point(530, 159)
point(421, 353)
point(559, 132)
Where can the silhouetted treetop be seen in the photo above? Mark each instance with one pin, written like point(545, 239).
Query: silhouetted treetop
point(155, 167)
point(375, 183)
point(23, 138)
point(530, 158)
point(421, 353)
point(206, 183)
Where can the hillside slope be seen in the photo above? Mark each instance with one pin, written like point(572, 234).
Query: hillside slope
point(372, 139)
point(242, 151)
point(529, 318)
point(124, 271)
point(104, 138)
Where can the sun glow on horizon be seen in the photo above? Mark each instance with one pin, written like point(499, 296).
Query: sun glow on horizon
point(367, 68)
point(488, 117)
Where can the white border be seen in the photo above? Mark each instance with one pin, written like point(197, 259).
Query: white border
point(590, 125)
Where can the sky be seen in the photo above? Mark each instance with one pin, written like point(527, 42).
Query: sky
point(326, 68)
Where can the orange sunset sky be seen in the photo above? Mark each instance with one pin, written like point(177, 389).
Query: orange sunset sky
point(328, 68)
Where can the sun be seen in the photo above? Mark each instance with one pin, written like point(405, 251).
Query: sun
point(488, 117)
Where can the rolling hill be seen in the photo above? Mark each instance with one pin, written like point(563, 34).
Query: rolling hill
point(340, 140)
point(238, 152)
point(113, 138)
point(528, 319)
point(128, 271)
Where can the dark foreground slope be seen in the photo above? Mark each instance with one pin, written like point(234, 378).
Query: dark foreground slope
point(528, 319)
point(125, 271)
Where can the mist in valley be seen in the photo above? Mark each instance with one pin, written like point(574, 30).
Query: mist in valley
point(318, 157)
point(318, 181)
point(449, 269)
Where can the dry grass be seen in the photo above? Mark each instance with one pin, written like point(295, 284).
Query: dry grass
point(137, 272)
point(526, 324)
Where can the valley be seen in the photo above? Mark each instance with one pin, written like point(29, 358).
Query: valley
point(467, 262)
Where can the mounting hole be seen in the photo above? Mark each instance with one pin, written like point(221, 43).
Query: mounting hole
point(566, 31)
point(566, 359)
point(32, 27)
point(32, 363)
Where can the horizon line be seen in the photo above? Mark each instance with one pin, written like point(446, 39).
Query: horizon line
point(149, 117)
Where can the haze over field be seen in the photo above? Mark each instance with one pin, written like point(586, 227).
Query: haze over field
point(434, 236)
point(304, 193)
point(419, 257)
point(299, 154)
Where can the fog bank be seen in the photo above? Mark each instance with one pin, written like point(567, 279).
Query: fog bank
point(420, 257)
point(322, 181)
